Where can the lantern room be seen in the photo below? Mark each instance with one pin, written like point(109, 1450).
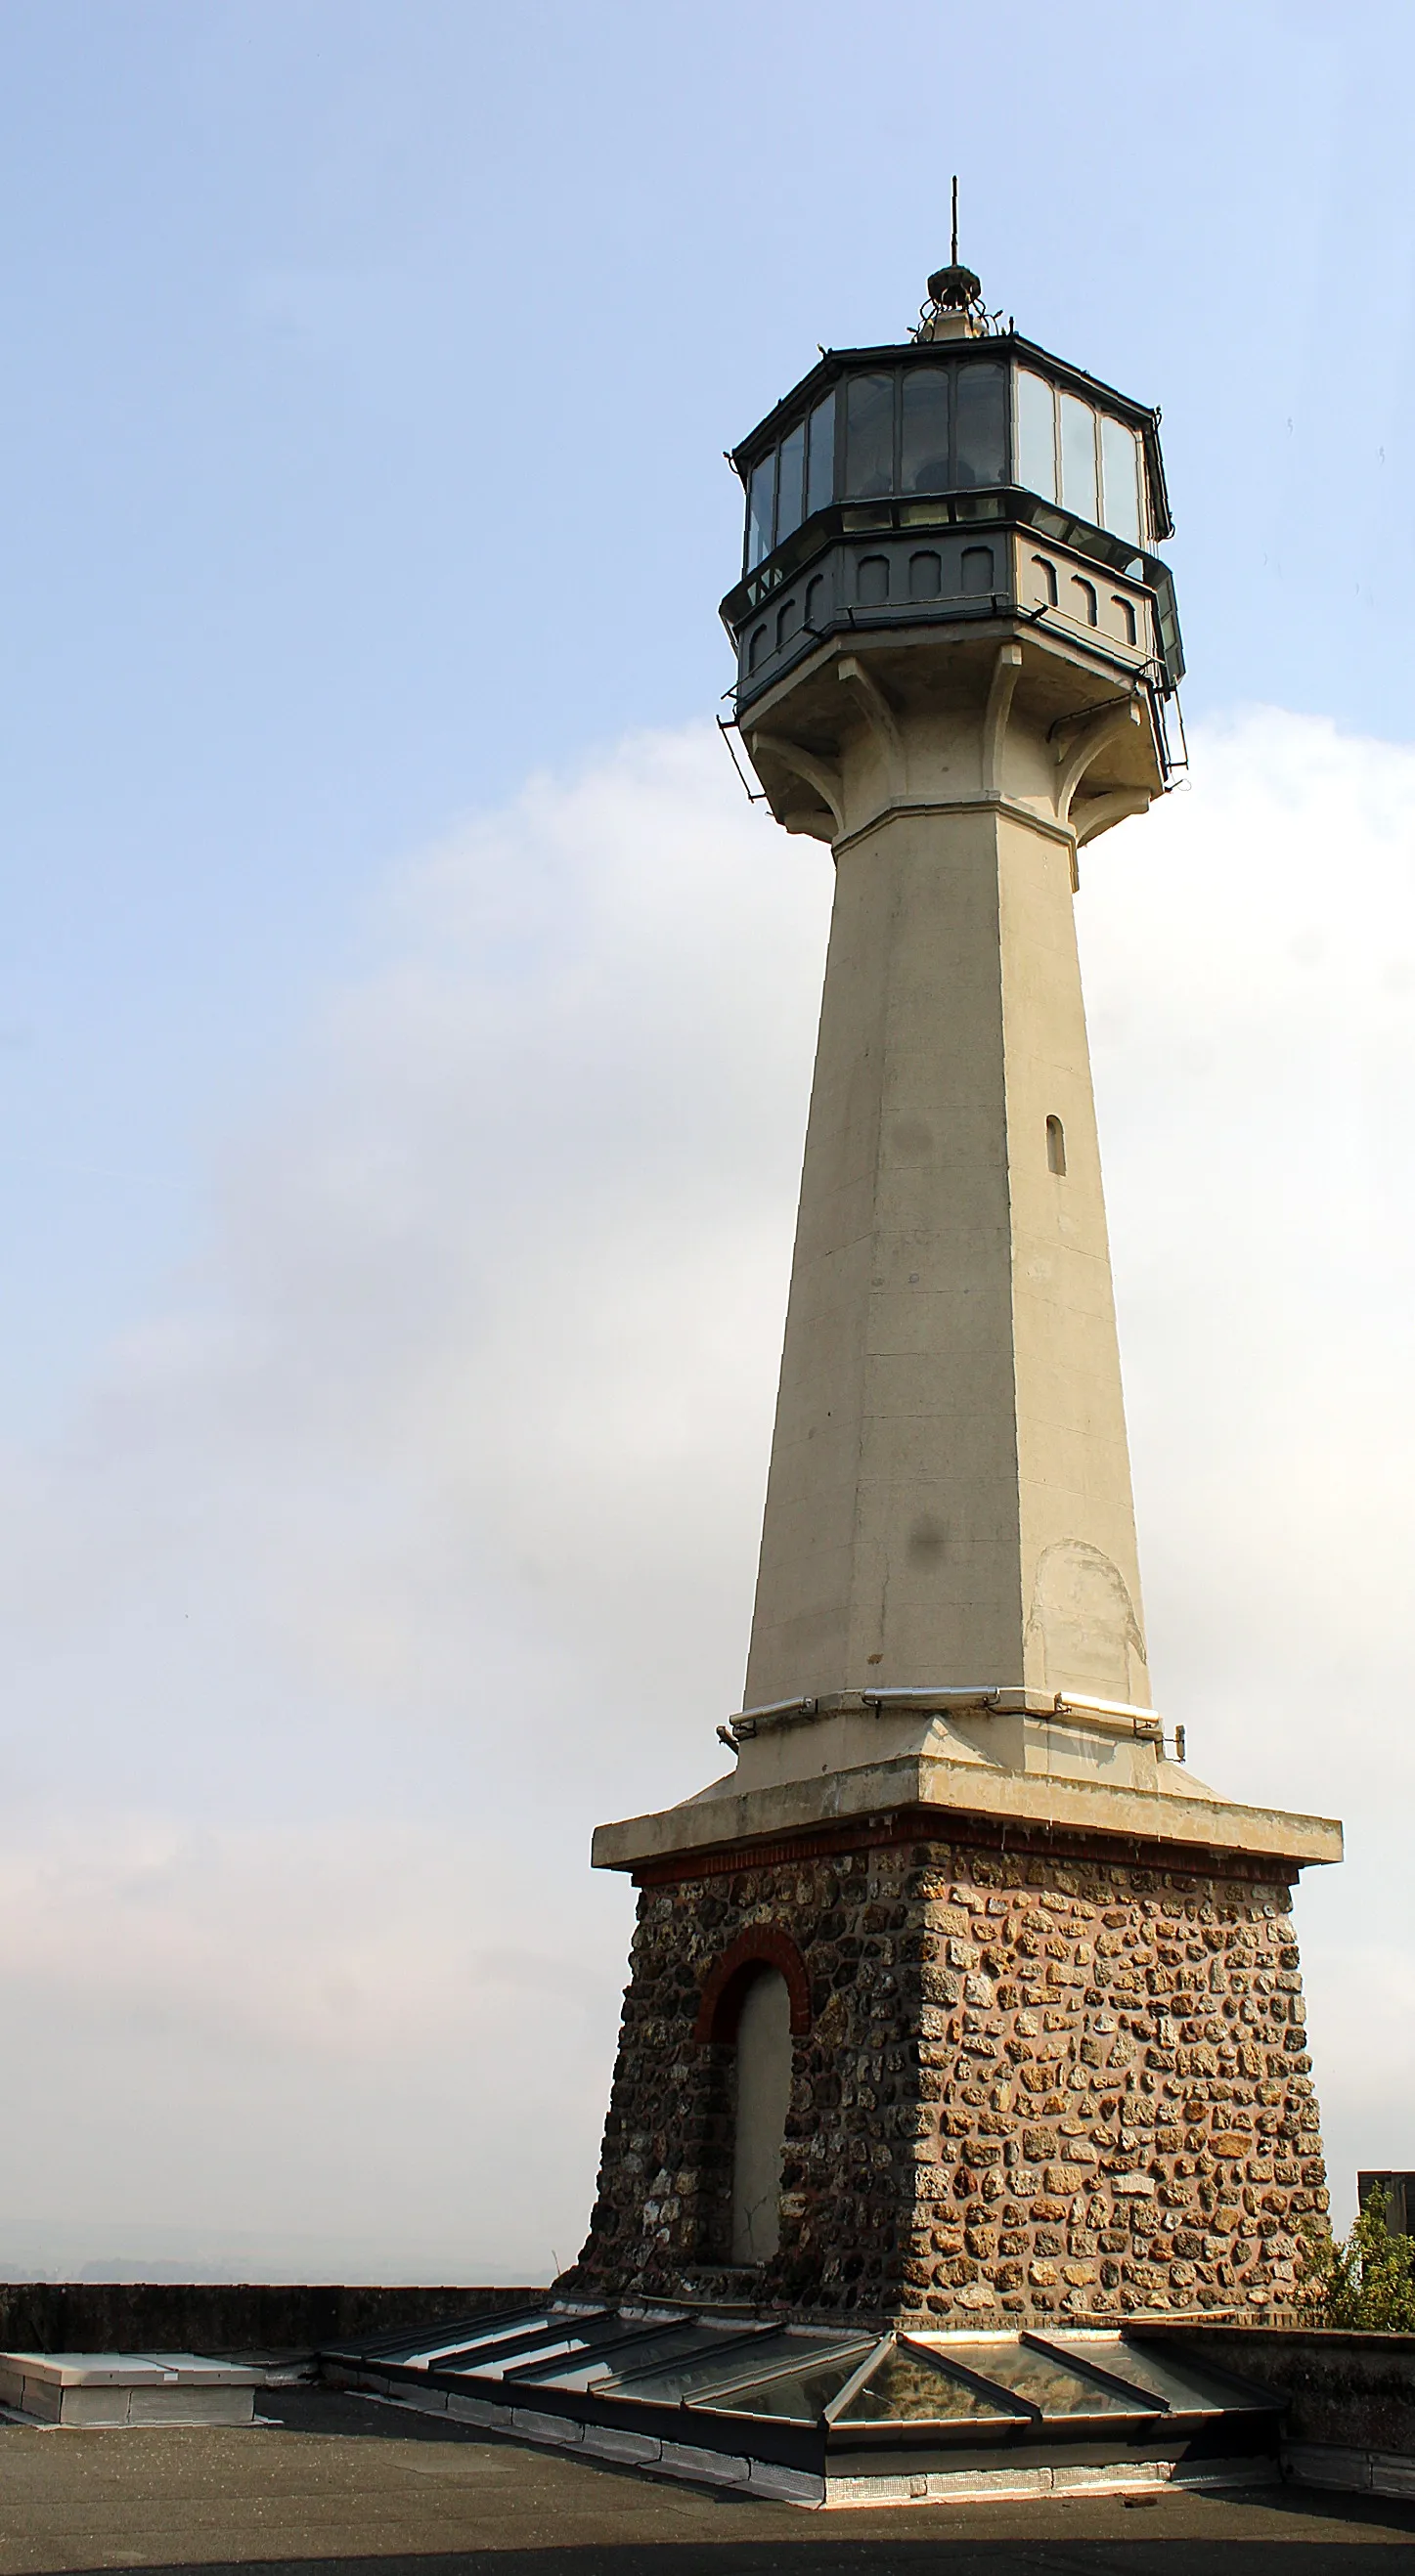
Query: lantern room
point(965, 475)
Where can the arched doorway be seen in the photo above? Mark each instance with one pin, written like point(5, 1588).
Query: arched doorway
point(756, 2001)
point(763, 2096)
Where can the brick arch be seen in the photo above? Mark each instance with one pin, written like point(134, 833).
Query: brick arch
point(761, 1946)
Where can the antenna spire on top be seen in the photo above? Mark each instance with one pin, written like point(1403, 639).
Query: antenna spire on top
point(953, 290)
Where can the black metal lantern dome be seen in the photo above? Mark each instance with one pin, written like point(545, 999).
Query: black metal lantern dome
point(965, 476)
point(955, 288)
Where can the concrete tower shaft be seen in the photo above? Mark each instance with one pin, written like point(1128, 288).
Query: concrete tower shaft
point(949, 1499)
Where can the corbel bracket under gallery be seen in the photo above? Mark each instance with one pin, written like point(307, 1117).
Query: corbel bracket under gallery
point(1075, 759)
point(821, 775)
point(1005, 673)
point(879, 715)
point(1096, 814)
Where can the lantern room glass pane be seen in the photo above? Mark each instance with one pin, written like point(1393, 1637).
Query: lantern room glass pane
point(820, 462)
point(791, 483)
point(869, 436)
point(761, 504)
point(980, 446)
point(1036, 434)
point(1078, 458)
point(925, 458)
point(1120, 475)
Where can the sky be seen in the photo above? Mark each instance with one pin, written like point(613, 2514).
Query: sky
point(405, 1023)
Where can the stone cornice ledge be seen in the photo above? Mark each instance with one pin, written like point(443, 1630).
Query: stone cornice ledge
point(720, 1819)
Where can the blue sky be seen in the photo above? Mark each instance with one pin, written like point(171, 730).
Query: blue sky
point(368, 371)
point(368, 368)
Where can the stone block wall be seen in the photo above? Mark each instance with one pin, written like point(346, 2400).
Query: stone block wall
point(1034, 2085)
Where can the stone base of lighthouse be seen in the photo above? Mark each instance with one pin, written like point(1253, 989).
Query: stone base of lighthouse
point(1032, 2075)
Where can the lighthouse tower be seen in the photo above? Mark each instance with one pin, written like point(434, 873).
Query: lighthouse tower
point(958, 1995)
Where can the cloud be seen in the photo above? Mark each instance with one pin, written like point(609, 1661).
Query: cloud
point(418, 1530)
point(414, 1535)
point(1250, 961)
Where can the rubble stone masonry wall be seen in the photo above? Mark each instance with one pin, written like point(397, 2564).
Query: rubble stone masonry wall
point(1032, 2087)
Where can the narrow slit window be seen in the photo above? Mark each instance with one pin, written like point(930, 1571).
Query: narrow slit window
point(1046, 580)
point(1056, 1148)
point(1127, 618)
point(1087, 606)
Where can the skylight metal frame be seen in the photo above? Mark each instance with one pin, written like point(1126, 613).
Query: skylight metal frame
point(1144, 2427)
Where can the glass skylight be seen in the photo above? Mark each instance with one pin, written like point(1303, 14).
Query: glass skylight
point(1053, 2387)
point(908, 2386)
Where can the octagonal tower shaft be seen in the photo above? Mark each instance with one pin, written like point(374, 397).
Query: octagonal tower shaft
point(950, 1490)
point(949, 1500)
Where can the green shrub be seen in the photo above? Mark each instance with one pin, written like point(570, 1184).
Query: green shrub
point(1366, 2282)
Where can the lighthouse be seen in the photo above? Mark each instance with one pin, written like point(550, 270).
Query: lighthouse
point(957, 1998)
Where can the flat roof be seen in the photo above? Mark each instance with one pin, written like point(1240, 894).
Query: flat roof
point(343, 2482)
